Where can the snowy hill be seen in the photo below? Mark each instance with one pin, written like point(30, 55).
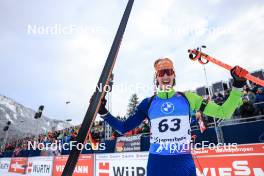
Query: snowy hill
point(22, 120)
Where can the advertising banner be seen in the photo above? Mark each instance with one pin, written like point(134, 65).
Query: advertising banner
point(230, 149)
point(121, 164)
point(224, 161)
point(238, 160)
point(128, 143)
point(4, 165)
point(40, 166)
point(18, 165)
point(84, 166)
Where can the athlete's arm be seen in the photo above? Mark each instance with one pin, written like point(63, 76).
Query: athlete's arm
point(132, 121)
point(224, 111)
point(234, 100)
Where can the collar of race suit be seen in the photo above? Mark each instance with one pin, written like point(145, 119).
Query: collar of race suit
point(165, 94)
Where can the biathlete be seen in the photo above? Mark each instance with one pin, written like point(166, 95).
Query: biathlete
point(168, 112)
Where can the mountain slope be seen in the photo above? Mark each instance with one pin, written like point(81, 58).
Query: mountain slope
point(22, 120)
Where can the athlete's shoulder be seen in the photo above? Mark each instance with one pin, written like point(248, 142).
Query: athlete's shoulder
point(190, 94)
point(146, 100)
point(145, 103)
point(179, 93)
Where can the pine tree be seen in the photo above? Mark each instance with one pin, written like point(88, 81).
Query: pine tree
point(133, 102)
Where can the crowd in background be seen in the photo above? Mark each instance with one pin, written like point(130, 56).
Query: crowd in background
point(253, 101)
point(143, 128)
point(65, 135)
point(253, 104)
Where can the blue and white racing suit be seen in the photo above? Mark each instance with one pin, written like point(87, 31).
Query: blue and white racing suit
point(170, 136)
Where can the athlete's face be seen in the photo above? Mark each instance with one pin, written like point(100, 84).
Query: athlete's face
point(165, 78)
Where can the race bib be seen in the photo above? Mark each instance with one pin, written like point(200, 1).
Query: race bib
point(170, 134)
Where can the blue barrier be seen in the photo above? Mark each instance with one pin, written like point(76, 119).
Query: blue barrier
point(34, 153)
point(251, 132)
point(208, 135)
point(7, 154)
point(107, 146)
point(144, 141)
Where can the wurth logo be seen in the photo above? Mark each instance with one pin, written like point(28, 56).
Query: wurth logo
point(103, 169)
point(129, 171)
point(38, 168)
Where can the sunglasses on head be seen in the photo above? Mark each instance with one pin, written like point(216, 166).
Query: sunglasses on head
point(168, 72)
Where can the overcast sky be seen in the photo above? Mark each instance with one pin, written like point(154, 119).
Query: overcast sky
point(41, 66)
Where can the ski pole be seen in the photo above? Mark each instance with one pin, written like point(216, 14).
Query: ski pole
point(203, 58)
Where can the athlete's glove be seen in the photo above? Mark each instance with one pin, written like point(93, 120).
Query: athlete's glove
point(238, 74)
point(102, 110)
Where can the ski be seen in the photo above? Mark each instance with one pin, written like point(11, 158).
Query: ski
point(95, 104)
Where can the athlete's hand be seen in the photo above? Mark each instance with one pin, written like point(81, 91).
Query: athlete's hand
point(238, 75)
point(102, 110)
point(198, 115)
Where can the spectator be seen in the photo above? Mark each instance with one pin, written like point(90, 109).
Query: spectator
point(260, 101)
point(136, 131)
point(248, 93)
point(17, 151)
point(226, 94)
point(219, 99)
point(1, 153)
point(115, 134)
point(145, 128)
point(247, 109)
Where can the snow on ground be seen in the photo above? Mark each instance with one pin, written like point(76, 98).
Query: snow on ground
point(12, 174)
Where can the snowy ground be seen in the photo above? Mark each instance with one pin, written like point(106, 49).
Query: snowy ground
point(12, 174)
